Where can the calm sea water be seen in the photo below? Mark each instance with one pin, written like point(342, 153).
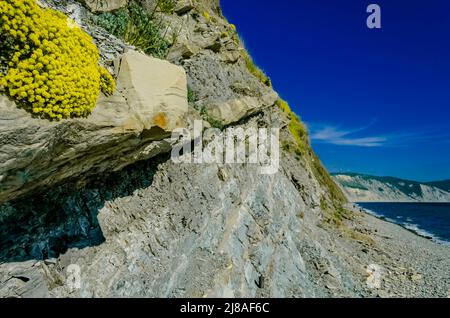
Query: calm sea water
point(431, 220)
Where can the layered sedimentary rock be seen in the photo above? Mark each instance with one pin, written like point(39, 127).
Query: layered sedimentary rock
point(95, 207)
point(130, 125)
point(365, 188)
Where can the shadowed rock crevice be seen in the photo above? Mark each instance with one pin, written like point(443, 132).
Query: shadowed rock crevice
point(45, 225)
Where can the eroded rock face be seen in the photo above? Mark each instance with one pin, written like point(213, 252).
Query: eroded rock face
point(157, 228)
point(128, 126)
point(162, 229)
point(208, 48)
point(233, 110)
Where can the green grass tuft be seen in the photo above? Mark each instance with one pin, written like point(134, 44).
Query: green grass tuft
point(166, 6)
point(301, 148)
point(138, 27)
point(255, 70)
point(192, 97)
point(214, 122)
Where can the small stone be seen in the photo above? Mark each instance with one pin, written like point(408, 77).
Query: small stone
point(104, 5)
point(183, 7)
point(182, 50)
point(331, 287)
point(382, 294)
point(222, 174)
point(375, 273)
point(51, 261)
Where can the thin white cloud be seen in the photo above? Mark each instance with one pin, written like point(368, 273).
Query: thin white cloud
point(344, 137)
point(336, 135)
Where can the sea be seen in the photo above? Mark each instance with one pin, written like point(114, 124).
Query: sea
point(430, 220)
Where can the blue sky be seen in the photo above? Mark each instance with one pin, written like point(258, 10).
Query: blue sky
point(375, 101)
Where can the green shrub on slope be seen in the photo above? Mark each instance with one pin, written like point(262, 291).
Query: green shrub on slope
point(255, 70)
point(138, 27)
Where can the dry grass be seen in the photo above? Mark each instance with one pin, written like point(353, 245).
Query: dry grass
point(332, 204)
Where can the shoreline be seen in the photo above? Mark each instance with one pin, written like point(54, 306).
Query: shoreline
point(416, 231)
point(413, 265)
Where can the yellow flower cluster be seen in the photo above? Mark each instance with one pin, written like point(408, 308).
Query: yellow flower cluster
point(54, 69)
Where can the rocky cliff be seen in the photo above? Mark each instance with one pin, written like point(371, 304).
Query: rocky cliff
point(95, 207)
point(365, 188)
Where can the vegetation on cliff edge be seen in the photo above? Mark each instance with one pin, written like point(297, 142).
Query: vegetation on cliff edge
point(49, 65)
point(139, 27)
point(301, 148)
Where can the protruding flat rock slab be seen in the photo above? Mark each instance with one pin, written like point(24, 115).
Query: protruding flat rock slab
point(129, 126)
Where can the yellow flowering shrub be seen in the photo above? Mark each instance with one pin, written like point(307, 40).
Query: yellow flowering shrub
point(206, 16)
point(53, 70)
